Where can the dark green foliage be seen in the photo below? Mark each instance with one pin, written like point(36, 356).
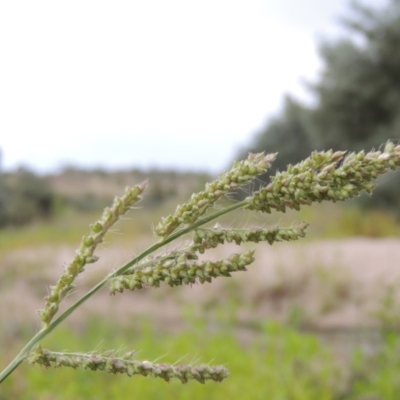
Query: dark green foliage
point(359, 91)
point(24, 197)
point(287, 134)
point(357, 98)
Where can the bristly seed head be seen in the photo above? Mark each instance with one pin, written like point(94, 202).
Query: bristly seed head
point(210, 238)
point(126, 364)
point(241, 173)
point(329, 176)
point(85, 254)
point(181, 272)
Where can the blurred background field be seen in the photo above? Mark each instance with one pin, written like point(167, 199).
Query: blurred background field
point(315, 319)
point(318, 318)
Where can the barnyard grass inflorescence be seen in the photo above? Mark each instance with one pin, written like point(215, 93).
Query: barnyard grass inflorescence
point(85, 253)
point(240, 173)
point(127, 364)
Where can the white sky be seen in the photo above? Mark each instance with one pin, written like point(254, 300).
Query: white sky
point(175, 83)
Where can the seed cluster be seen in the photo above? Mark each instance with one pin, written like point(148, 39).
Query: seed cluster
point(85, 254)
point(178, 255)
point(241, 173)
point(324, 176)
point(210, 238)
point(126, 364)
point(181, 272)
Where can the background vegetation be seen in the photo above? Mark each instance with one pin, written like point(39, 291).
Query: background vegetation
point(280, 353)
point(356, 99)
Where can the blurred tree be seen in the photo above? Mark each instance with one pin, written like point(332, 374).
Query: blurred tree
point(287, 134)
point(24, 197)
point(357, 96)
point(35, 191)
point(5, 200)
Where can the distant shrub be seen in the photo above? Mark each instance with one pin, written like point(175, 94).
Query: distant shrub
point(24, 197)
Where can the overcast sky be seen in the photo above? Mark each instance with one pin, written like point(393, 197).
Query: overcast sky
point(175, 83)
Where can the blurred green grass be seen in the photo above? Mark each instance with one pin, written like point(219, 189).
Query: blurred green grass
point(327, 221)
point(278, 363)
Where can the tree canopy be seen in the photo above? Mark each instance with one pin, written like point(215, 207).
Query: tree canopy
point(357, 95)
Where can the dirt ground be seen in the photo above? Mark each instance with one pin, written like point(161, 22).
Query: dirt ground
point(322, 285)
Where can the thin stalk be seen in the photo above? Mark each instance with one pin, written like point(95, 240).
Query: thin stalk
point(177, 235)
point(46, 330)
